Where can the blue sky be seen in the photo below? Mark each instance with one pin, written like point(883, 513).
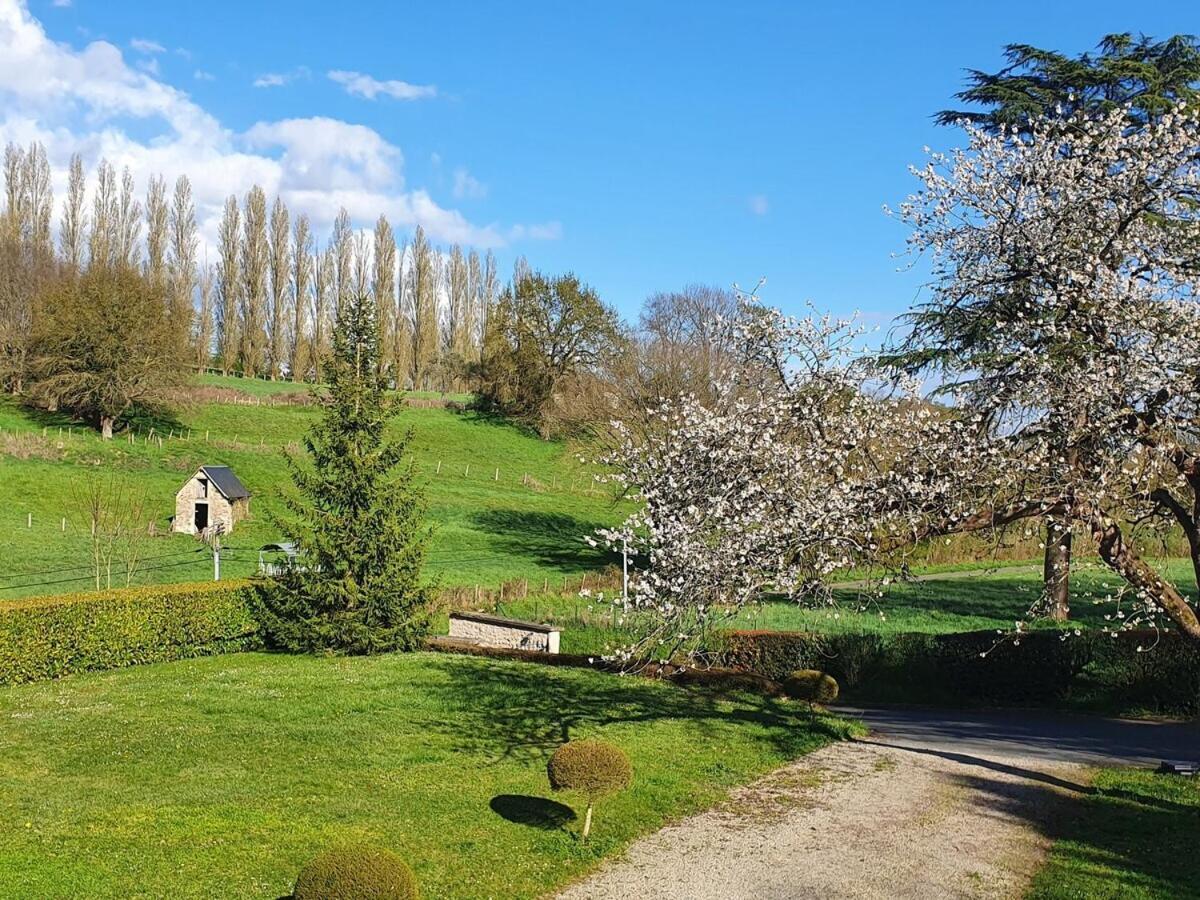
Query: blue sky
point(642, 145)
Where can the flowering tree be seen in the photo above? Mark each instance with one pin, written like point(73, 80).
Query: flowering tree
point(1069, 253)
point(798, 466)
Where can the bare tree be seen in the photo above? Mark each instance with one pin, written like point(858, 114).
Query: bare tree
point(74, 218)
point(229, 286)
point(281, 266)
point(255, 252)
point(39, 199)
point(475, 304)
point(302, 266)
point(112, 514)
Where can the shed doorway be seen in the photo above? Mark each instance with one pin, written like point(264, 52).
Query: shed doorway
point(201, 520)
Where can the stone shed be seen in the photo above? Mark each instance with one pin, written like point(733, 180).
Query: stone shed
point(213, 496)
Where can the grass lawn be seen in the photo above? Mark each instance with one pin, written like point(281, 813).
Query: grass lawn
point(1135, 838)
point(492, 522)
point(220, 777)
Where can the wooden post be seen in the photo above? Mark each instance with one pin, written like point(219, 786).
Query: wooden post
point(468, 470)
point(497, 478)
point(206, 435)
point(439, 468)
point(64, 524)
point(28, 520)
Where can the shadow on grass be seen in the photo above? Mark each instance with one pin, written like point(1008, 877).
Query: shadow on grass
point(554, 540)
point(536, 812)
point(1119, 842)
point(507, 710)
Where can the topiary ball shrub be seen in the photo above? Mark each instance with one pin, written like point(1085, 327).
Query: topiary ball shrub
point(356, 873)
point(811, 685)
point(593, 769)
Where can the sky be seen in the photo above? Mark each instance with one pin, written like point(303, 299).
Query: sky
point(641, 145)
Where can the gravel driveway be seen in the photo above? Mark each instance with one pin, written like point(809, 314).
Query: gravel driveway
point(932, 804)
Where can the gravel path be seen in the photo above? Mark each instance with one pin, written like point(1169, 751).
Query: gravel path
point(931, 805)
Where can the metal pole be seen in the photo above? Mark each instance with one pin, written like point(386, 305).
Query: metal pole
point(217, 560)
point(624, 570)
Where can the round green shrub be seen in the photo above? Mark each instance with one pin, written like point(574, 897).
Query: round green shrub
point(356, 873)
point(811, 685)
point(593, 768)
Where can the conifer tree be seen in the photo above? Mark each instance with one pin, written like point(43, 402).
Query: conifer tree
point(356, 515)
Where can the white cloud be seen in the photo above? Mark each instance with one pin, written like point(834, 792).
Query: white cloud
point(201, 75)
point(271, 79)
point(148, 65)
point(545, 231)
point(92, 101)
point(361, 85)
point(467, 186)
point(758, 204)
point(141, 45)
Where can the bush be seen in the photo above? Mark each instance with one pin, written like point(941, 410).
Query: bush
point(1045, 667)
point(593, 769)
point(356, 873)
point(47, 637)
point(811, 685)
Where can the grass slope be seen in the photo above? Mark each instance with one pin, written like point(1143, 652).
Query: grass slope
point(1135, 838)
point(222, 776)
point(491, 525)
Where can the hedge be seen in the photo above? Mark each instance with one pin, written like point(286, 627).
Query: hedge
point(48, 637)
point(1092, 669)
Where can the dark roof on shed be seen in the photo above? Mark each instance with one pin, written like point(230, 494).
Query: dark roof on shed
point(226, 482)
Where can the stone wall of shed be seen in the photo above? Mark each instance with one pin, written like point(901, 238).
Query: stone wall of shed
point(219, 509)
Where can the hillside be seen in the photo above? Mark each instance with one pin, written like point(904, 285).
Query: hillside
point(505, 504)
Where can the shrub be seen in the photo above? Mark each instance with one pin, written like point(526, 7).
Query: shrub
point(356, 873)
point(593, 769)
point(47, 637)
point(811, 685)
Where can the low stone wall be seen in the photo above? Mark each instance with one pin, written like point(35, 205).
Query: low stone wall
point(493, 631)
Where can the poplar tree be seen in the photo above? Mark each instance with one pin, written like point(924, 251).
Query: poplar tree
point(182, 270)
point(254, 281)
point(281, 277)
point(127, 226)
point(342, 247)
point(383, 287)
point(322, 299)
point(74, 218)
point(475, 302)
point(157, 234)
point(302, 263)
point(102, 241)
point(229, 286)
point(423, 298)
point(204, 319)
point(356, 515)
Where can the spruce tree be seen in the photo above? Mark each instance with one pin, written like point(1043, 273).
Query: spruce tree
point(356, 515)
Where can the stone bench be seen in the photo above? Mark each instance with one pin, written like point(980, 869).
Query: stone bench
point(493, 631)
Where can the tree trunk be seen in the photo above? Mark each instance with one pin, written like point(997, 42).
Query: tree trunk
point(1118, 556)
point(1056, 571)
point(106, 427)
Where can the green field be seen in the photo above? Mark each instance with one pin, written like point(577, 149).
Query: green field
point(505, 504)
point(220, 777)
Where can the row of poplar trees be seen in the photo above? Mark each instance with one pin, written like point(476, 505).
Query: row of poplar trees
point(266, 306)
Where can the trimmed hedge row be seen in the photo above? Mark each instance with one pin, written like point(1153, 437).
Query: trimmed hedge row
point(49, 637)
point(979, 667)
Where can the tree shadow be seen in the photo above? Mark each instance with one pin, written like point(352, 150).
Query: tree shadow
point(554, 540)
point(536, 812)
point(507, 710)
